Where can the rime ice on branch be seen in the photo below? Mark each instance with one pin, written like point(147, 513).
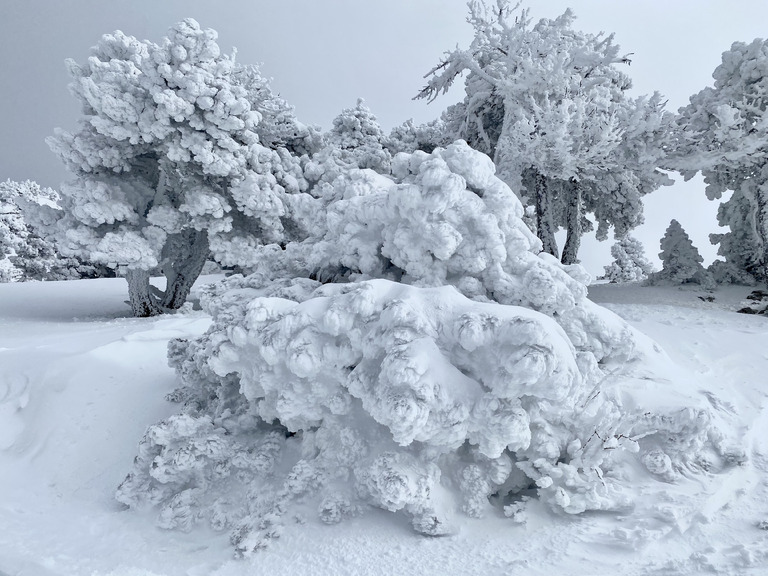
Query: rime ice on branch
point(550, 105)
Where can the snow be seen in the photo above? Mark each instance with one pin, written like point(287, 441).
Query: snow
point(80, 381)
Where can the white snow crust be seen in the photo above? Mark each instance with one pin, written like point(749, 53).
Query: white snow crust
point(80, 381)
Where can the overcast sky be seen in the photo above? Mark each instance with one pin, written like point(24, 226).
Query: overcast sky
point(324, 54)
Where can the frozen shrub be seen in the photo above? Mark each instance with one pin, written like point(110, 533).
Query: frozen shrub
point(409, 137)
point(442, 361)
point(442, 218)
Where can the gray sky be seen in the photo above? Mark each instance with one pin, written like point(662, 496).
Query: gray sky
point(324, 54)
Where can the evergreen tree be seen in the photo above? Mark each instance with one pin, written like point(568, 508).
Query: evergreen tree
point(168, 164)
point(356, 141)
point(629, 261)
point(681, 261)
point(358, 137)
point(723, 133)
point(550, 105)
point(24, 254)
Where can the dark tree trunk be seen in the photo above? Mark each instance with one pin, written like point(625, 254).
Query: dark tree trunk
point(573, 224)
point(762, 230)
point(143, 302)
point(185, 255)
point(181, 274)
point(545, 227)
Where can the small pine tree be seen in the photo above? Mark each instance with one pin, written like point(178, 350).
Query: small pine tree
point(356, 140)
point(359, 137)
point(629, 261)
point(681, 261)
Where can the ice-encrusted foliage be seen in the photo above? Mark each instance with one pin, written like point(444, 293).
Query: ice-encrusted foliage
point(680, 259)
point(442, 362)
point(409, 399)
point(550, 104)
point(355, 141)
point(24, 252)
point(409, 137)
point(442, 218)
point(629, 261)
point(358, 137)
point(723, 133)
point(168, 164)
point(278, 128)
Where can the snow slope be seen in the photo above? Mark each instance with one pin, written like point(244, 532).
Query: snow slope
point(80, 381)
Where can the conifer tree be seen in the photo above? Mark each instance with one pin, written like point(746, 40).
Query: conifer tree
point(629, 261)
point(723, 133)
point(24, 253)
point(167, 162)
point(550, 105)
point(357, 134)
point(681, 261)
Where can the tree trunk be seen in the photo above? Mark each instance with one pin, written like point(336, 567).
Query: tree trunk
point(187, 255)
point(761, 223)
point(573, 223)
point(143, 302)
point(545, 228)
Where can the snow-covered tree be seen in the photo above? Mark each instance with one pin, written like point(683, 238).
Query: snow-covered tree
point(278, 128)
point(24, 254)
point(681, 261)
point(629, 261)
point(409, 137)
point(723, 133)
point(357, 134)
point(372, 365)
point(550, 105)
point(355, 141)
point(167, 162)
point(13, 234)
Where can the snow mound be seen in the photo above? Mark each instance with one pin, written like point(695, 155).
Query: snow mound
point(447, 365)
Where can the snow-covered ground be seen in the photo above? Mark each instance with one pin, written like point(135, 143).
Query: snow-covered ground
point(80, 381)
